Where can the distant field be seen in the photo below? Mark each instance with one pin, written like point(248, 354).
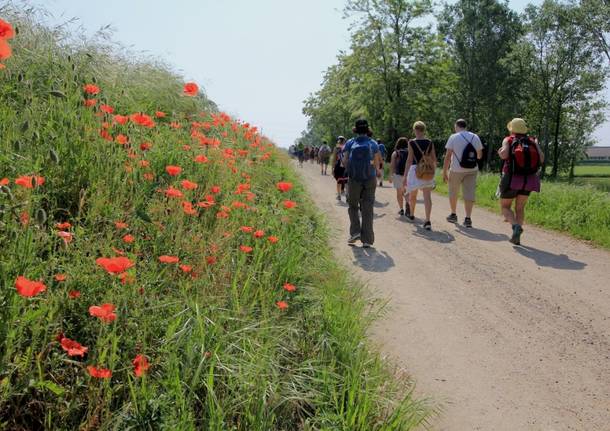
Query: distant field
point(592, 170)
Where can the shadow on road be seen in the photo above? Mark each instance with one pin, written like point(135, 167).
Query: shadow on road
point(440, 236)
point(371, 260)
point(381, 204)
point(551, 260)
point(481, 234)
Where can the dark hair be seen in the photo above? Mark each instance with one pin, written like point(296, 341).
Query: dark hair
point(402, 143)
point(461, 123)
point(361, 127)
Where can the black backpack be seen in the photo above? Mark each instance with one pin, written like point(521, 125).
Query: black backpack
point(469, 155)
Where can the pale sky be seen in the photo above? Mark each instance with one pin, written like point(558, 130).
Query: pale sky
point(257, 59)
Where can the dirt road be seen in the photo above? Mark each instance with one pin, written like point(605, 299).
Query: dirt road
point(504, 337)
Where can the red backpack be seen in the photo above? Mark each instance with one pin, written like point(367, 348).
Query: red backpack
point(524, 156)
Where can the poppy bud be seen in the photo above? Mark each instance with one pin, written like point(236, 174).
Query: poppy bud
point(54, 156)
point(41, 216)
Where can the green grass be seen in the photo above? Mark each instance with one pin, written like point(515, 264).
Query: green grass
point(223, 355)
point(589, 170)
point(581, 211)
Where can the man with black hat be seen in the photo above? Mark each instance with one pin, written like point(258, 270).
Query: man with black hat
point(363, 163)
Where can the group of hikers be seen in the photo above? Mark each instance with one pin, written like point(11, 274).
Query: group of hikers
point(358, 167)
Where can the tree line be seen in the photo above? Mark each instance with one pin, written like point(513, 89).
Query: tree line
point(473, 59)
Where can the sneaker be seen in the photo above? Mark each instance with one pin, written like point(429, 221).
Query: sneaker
point(428, 225)
point(517, 231)
point(366, 245)
point(339, 197)
point(380, 183)
point(452, 218)
point(467, 222)
point(410, 217)
point(352, 239)
point(401, 212)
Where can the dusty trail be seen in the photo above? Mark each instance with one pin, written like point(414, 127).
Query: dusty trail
point(506, 338)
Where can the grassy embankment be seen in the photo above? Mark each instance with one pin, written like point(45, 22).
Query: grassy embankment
point(228, 344)
point(582, 211)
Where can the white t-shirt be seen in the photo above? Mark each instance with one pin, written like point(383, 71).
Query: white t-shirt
point(456, 143)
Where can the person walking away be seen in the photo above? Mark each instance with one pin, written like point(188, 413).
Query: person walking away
point(324, 156)
point(460, 168)
point(419, 172)
point(522, 159)
point(313, 155)
point(363, 162)
point(339, 172)
point(300, 153)
point(398, 163)
point(383, 152)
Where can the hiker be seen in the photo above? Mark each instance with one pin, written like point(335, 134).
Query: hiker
point(383, 152)
point(339, 172)
point(300, 153)
point(398, 163)
point(324, 157)
point(522, 159)
point(460, 168)
point(363, 162)
point(313, 155)
point(419, 172)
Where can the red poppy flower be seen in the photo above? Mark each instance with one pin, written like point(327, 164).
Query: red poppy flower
point(121, 119)
point(186, 147)
point(289, 204)
point(121, 139)
point(259, 234)
point(144, 163)
point(121, 225)
point(74, 348)
point(160, 114)
point(128, 239)
point(284, 186)
point(222, 214)
point(201, 159)
point(140, 365)
point(273, 239)
point(65, 236)
point(89, 102)
point(173, 170)
point(282, 305)
point(215, 190)
point(188, 185)
point(5, 50)
point(145, 146)
point(175, 125)
point(188, 209)
point(6, 30)
point(289, 287)
point(169, 259)
point(29, 288)
point(99, 373)
point(142, 120)
point(28, 182)
point(171, 192)
point(186, 268)
point(73, 294)
point(105, 312)
point(149, 176)
point(91, 89)
point(63, 226)
point(245, 248)
point(60, 277)
point(4, 182)
point(211, 260)
point(107, 109)
point(127, 278)
point(114, 265)
point(191, 89)
point(246, 229)
point(24, 218)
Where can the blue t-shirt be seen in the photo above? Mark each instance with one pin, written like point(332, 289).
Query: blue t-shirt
point(360, 141)
point(383, 151)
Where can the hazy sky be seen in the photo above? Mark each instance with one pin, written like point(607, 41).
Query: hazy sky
point(258, 59)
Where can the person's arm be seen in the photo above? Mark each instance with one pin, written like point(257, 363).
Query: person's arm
point(409, 163)
point(539, 151)
point(479, 147)
point(446, 164)
point(393, 163)
point(504, 150)
point(345, 157)
point(378, 163)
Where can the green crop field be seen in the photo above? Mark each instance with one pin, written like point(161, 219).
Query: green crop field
point(602, 170)
point(161, 266)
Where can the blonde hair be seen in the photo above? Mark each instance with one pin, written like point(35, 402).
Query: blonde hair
point(420, 126)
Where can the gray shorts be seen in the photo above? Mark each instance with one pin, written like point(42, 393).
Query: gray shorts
point(398, 181)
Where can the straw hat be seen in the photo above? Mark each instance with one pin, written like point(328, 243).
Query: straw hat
point(517, 126)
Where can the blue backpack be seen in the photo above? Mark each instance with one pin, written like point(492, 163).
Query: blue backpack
point(359, 167)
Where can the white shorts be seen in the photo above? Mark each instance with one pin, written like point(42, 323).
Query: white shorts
point(414, 183)
point(398, 181)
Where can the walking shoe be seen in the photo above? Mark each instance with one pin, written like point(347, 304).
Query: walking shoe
point(517, 231)
point(452, 218)
point(410, 217)
point(380, 183)
point(467, 222)
point(401, 212)
point(366, 245)
point(339, 196)
point(352, 239)
point(428, 225)
point(407, 209)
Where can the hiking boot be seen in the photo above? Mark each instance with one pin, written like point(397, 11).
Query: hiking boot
point(467, 222)
point(401, 212)
point(452, 218)
point(517, 231)
point(428, 225)
point(352, 239)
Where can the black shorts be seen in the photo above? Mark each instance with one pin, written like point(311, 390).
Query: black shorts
point(506, 192)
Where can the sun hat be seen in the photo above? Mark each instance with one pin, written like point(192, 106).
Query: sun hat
point(517, 126)
point(341, 138)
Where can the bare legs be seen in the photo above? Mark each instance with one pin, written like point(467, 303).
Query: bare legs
point(427, 202)
point(517, 216)
point(400, 198)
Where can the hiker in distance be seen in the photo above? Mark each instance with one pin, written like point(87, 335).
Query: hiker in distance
point(324, 157)
point(523, 159)
point(419, 171)
point(398, 164)
point(363, 162)
point(460, 168)
point(383, 152)
point(339, 172)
